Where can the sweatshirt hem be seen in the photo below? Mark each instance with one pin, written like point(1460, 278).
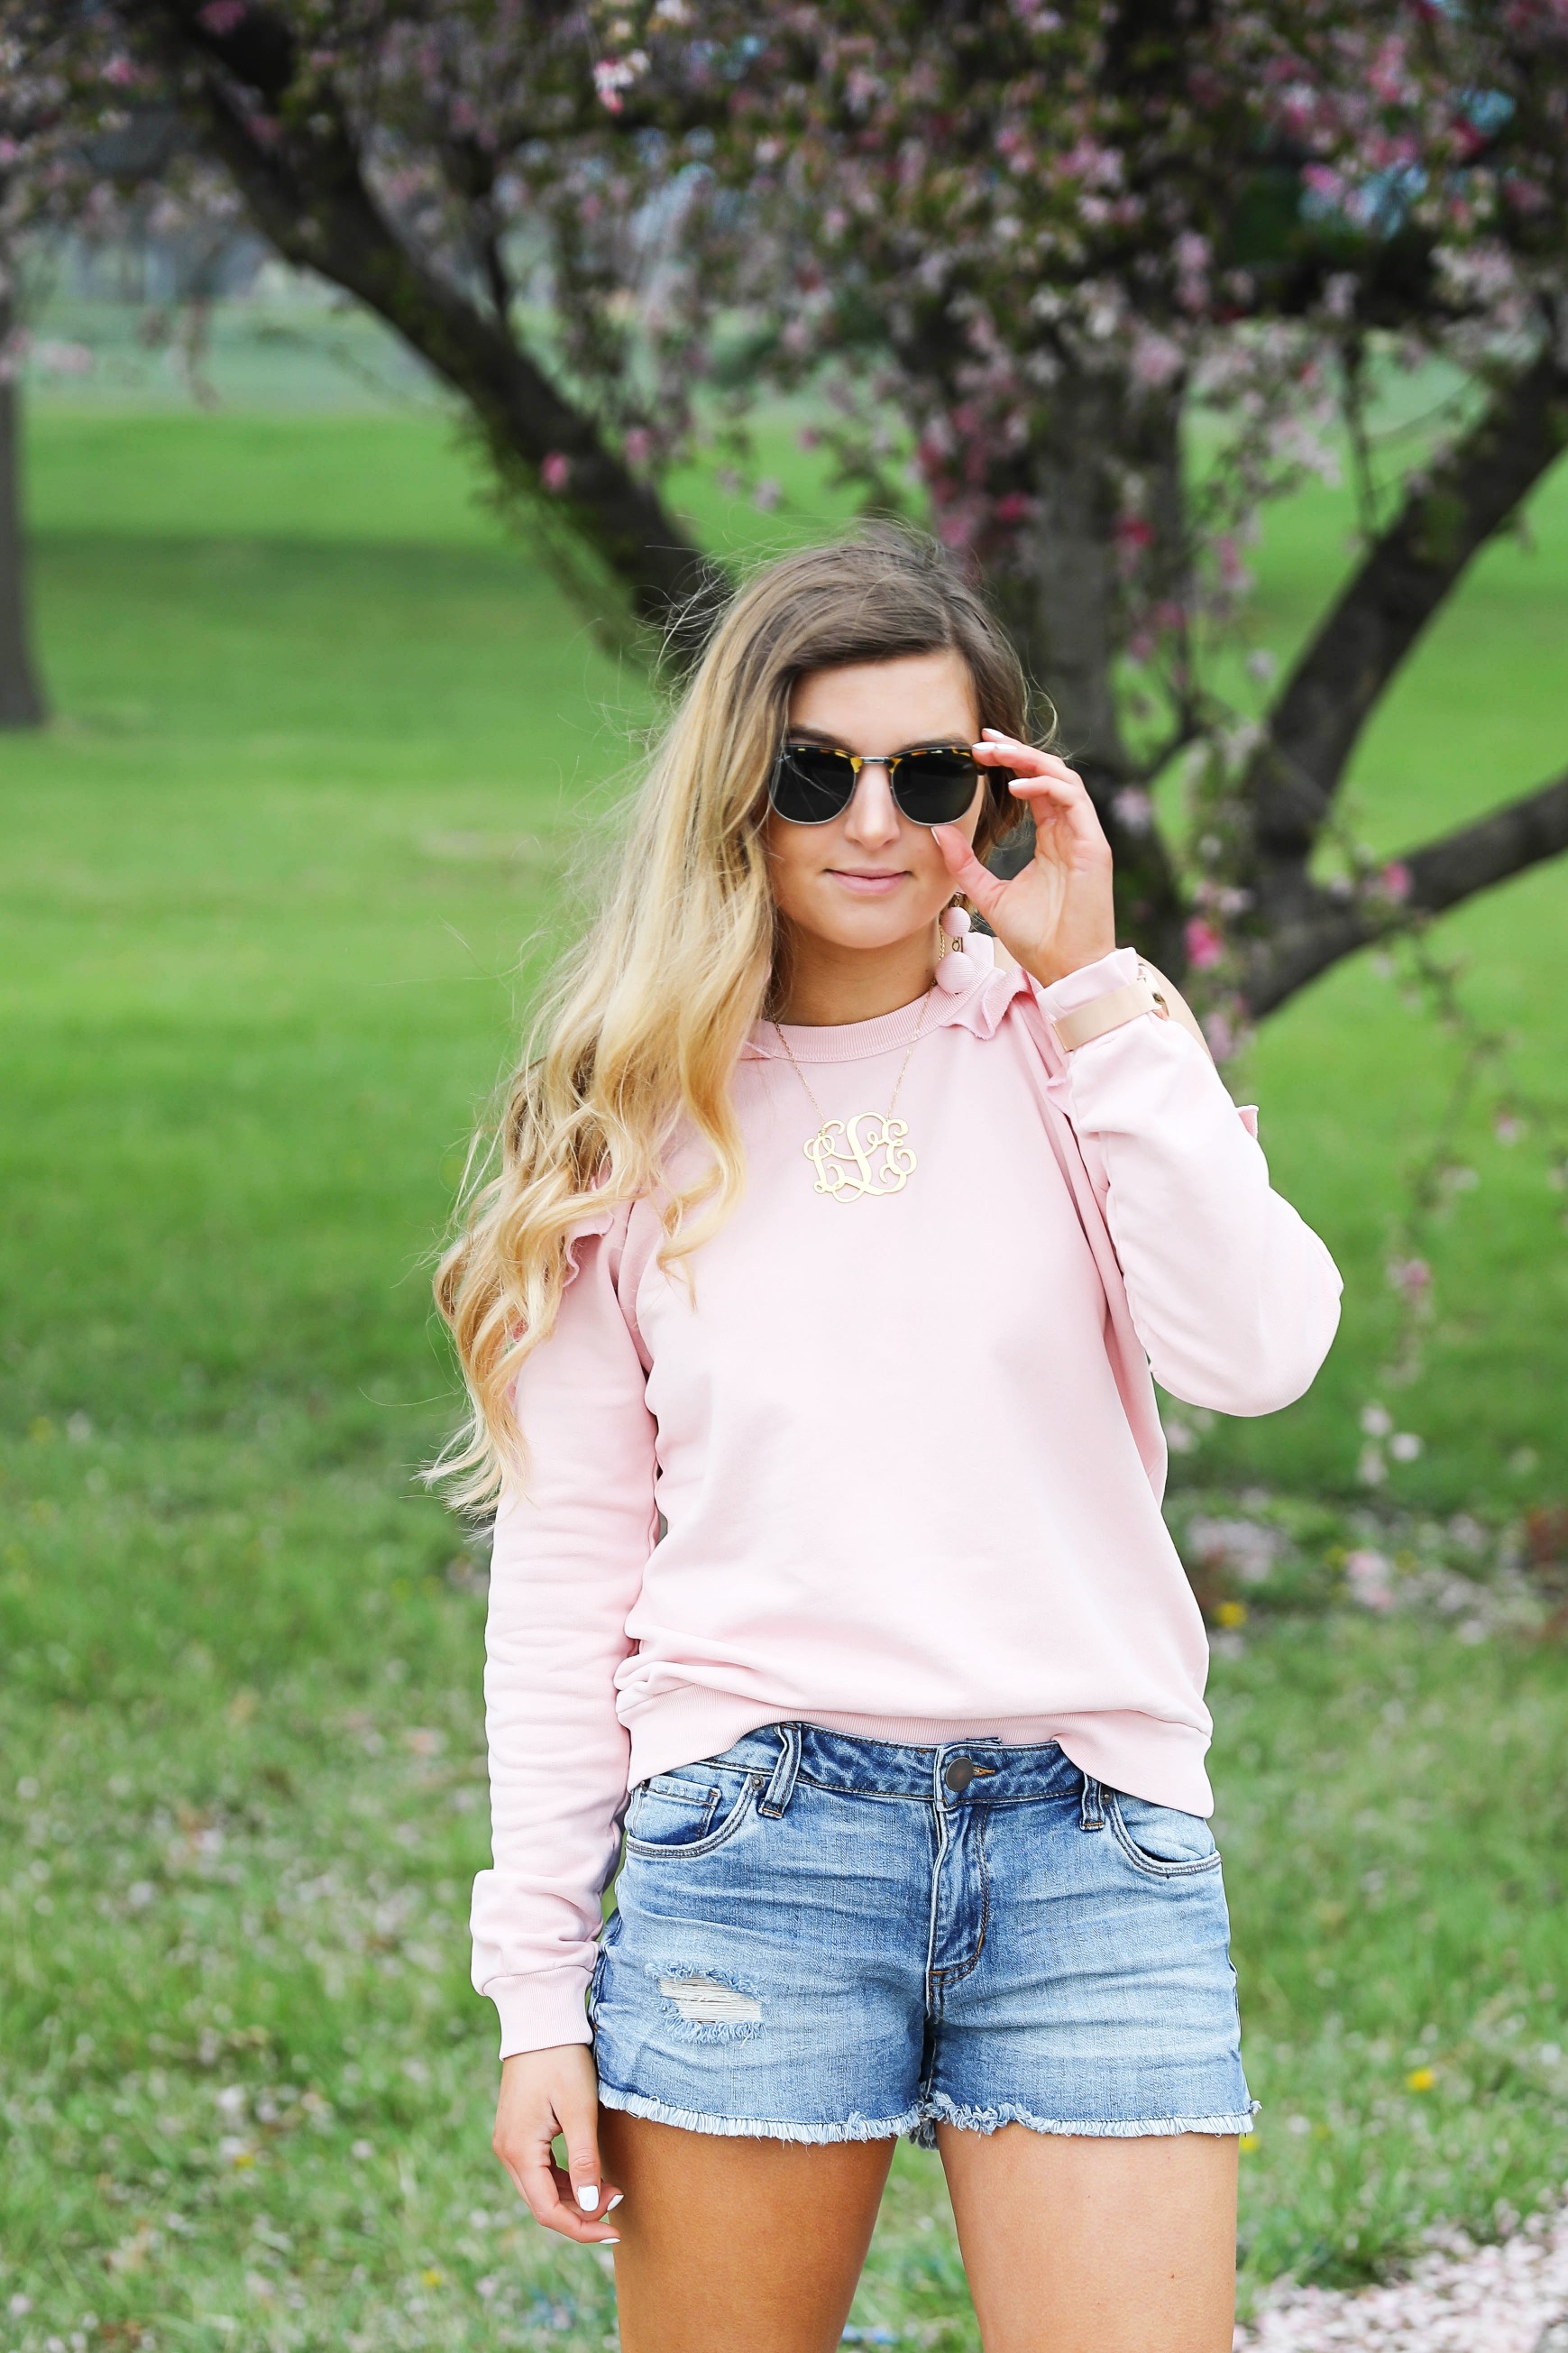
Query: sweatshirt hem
point(1154, 1757)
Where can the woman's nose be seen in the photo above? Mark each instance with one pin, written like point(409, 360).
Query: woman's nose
point(873, 812)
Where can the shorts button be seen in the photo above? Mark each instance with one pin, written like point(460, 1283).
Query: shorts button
point(959, 1774)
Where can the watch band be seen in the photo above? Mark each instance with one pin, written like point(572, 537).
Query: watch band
point(1110, 1012)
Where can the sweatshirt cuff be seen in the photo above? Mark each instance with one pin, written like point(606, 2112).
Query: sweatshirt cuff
point(541, 2011)
point(1117, 970)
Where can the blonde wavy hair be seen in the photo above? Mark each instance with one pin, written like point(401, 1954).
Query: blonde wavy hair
point(639, 1036)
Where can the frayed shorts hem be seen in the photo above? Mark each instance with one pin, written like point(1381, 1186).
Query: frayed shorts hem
point(760, 2127)
point(941, 2110)
point(919, 2122)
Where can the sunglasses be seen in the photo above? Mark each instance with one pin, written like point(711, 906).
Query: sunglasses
point(934, 784)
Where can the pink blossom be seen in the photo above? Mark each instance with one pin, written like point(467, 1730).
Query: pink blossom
point(221, 16)
point(1323, 182)
point(1135, 535)
point(1388, 78)
point(1134, 809)
point(1394, 880)
point(1232, 570)
point(1411, 1277)
point(1204, 946)
point(1156, 358)
point(1371, 1580)
point(1217, 1028)
point(638, 446)
point(556, 471)
point(1524, 196)
point(613, 75)
point(64, 359)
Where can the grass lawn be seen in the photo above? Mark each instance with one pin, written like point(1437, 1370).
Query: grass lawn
point(327, 750)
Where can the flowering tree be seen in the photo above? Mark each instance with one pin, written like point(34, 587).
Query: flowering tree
point(1089, 283)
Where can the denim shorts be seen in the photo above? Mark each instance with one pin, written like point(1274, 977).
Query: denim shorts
point(826, 1939)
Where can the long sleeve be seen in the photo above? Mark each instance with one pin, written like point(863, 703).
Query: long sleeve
point(568, 1562)
point(1233, 1296)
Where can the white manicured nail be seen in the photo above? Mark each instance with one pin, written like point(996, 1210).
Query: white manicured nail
point(587, 2197)
point(614, 2201)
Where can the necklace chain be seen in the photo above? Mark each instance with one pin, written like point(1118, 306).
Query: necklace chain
point(914, 1041)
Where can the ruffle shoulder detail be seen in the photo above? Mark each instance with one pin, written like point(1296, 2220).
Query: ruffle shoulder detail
point(975, 990)
point(611, 1220)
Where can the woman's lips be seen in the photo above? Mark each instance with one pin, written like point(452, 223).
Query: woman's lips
point(867, 883)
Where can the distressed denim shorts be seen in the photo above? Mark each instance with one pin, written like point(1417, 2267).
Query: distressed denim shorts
point(826, 1939)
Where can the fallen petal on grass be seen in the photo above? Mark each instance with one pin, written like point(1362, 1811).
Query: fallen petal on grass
point(1509, 2299)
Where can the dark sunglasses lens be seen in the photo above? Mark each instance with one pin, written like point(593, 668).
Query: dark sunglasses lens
point(935, 787)
point(811, 788)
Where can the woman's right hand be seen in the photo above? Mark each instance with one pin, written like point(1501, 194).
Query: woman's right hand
point(544, 2092)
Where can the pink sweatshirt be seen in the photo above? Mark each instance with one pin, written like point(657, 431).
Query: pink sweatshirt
point(905, 1448)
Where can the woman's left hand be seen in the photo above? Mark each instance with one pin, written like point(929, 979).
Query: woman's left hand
point(1058, 914)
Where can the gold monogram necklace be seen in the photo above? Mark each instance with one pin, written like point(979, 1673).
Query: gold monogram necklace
point(867, 1154)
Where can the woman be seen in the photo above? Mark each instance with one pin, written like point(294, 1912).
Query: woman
point(809, 1328)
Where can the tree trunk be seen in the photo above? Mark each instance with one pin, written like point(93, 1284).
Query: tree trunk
point(306, 186)
point(21, 698)
point(1061, 606)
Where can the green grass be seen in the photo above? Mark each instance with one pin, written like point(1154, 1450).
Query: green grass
point(328, 747)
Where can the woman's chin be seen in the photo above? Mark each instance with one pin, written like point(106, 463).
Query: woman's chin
point(868, 922)
point(869, 930)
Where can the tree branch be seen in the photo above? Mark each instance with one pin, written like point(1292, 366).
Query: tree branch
point(305, 189)
point(1443, 874)
point(496, 278)
point(1403, 579)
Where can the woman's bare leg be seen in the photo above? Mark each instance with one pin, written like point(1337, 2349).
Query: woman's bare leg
point(1096, 2246)
point(727, 2242)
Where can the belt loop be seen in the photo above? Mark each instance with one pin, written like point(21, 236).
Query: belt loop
point(1090, 1815)
point(781, 1789)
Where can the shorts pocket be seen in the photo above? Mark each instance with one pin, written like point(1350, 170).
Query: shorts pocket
point(688, 1813)
point(1160, 1841)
